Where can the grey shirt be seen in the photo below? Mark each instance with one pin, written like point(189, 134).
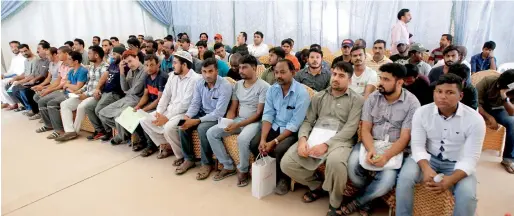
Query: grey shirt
point(250, 97)
point(316, 82)
point(41, 67)
point(85, 58)
point(133, 82)
point(389, 118)
point(197, 65)
point(30, 66)
point(54, 70)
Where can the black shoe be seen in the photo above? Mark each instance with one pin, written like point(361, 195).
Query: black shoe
point(92, 137)
point(106, 137)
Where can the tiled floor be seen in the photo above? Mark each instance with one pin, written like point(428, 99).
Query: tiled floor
point(40, 177)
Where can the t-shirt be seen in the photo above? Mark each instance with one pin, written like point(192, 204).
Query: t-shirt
point(85, 58)
point(359, 83)
point(112, 84)
point(234, 74)
point(53, 68)
point(421, 89)
point(42, 66)
point(80, 75)
point(30, 66)
point(250, 97)
point(339, 59)
point(155, 86)
point(436, 55)
point(400, 59)
point(222, 68)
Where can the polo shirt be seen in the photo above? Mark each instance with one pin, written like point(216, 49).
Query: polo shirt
point(375, 65)
point(75, 76)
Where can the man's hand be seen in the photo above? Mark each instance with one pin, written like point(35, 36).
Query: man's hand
point(97, 94)
point(44, 92)
point(380, 160)
point(37, 88)
point(303, 148)
point(266, 147)
point(160, 119)
point(491, 123)
point(438, 187)
point(186, 117)
point(122, 67)
point(370, 155)
point(232, 127)
point(29, 83)
point(428, 175)
point(491, 54)
point(136, 108)
point(318, 150)
point(190, 123)
point(82, 96)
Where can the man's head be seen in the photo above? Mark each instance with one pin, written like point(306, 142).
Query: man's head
point(460, 70)
point(185, 43)
point(219, 49)
point(151, 64)
point(287, 45)
point(168, 38)
point(51, 54)
point(448, 91)
point(210, 70)
point(402, 46)
point(117, 53)
point(451, 55)
point(257, 38)
point(159, 42)
point(115, 41)
point(202, 47)
point(304, 56)
point(276, 54)
point(134, 44)
point(284, 72)
point(25, 50)
point(248, 67)
point(96, 41)
point(132, 36)
point(69, 44)
point(235, 59)
point(95, 54)
point(140, 38)
point(74, 59)
point(130, 57)
point(63, 53)
point(204, 37)
point(379, 49)
point(404, 15)
point(416, 51)
point(315, 58)
point(184, 36)
point(488, 47)
point(463, 52)
point(358, 54)
point(391, 78)
point(78, 45)
point(182, 62)
point(14, 47)
point(346, 46)
point(506, 78)
point(107, 46)
point(446, 40)
point(42, 48)
point(341, 76)
point(412, 74)
point(241, 38)
point(168, 48)
point(218, 38)
point(360, 42)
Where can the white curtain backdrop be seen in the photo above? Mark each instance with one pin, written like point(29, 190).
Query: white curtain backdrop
point(61, 21)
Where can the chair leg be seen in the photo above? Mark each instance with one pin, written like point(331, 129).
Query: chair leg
point(292, 185)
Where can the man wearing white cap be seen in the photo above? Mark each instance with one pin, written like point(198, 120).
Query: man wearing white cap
point(174, 102)
point(403, 56)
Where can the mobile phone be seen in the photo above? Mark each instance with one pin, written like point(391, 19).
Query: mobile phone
point(181, 122)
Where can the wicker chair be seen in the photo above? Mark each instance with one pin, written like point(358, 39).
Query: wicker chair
point(86, 124)
point(260, 70)
point(326, 51)
point(426, 55)
point(388, 53)
point(328, 58)
point(426, 203)
point(264, 59)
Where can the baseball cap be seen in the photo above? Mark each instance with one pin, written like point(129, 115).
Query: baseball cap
point(418, 47)
point(347, 42)
point(218, 36)
point(119, 49)
point(185, 55)
point(402, 41)
point(148, 38)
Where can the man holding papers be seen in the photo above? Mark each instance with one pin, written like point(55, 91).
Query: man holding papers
point(174, 102)
point(247, 106)
point(326, 135)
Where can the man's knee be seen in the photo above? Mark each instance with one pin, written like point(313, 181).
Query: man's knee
point(287, 163)
point(203, 127)
point(465, 190)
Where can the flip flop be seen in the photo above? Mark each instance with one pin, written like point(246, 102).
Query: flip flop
point(43, 129)
point(53, 135)
point(178, 162)
point(224, 173)
point(508, 165)
point(184, 167)
point(242, 179)
point(205, 171)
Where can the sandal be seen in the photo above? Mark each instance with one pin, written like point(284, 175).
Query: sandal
point(333, 211)
point(177, 162)
point(205, 171)
point(138, 147)
point(508, 165)
point(53, 135)
point(313, 195)
point(164, 152)
point(43, 129)
point(242, 179)
point(349, 208)
point(184, 167)
point(148, 151)
point(224, 173)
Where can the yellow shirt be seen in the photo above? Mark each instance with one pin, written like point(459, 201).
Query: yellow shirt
point(376, 65)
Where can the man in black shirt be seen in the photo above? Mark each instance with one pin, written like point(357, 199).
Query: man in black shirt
point(346, 48)
point(403, 55)
point(233, 72)
point(418, 85)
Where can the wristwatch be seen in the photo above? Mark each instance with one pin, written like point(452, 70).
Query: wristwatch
point(507, 100)
point(276, 141)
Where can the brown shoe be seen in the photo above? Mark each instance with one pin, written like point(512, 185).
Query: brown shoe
point(184, 167)
point(164, 152)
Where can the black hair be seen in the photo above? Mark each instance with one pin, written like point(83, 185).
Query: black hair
point(43, 41)
point(69, 43)
point(65, 49)
point(15, 42)
point(249, 59)
point(218, 45)
point(412, 70)
point(44, 45)
point(316, 50)
point(354, 48)
point(141, 36)
point(76, 56)
point(208, 54)
point(287, 41)
point(506, 78)
point(108, 41)
point(489, 45)
point(98, 50)
point(134, 42)
point(317, 46)
point(115, 39)
point(169, 38)
point(380, 41)
point(448, 37)
point(401, 13)
point(21, 46)
point(450, 78)
point(290, 64)
point(344, 66)
point(304, 53)
point(450, 48)
point(132, 36)
point(185, 40)
point(179, 35)
point(397, 70)
point(244, 35)
point(363, 42)
point(184, 61)
point(201, 43)
point(259, 33)
point(159, 41)
point(206, 35)
point(80, 41)
point(278, 51)
point(53, 50)
point(152, 57)
point(99, 40)
point(210, 61)
point(460, 70)
point(154, 44)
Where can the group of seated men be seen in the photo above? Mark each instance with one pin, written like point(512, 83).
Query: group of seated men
point(394, 104)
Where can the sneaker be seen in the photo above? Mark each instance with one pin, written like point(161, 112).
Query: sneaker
point(106, 137)
point(67, 136)
point(35, 117)
point(282, 187)
point(118, 141)
point(96, 135)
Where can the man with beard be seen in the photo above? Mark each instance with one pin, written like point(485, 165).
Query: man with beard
point(403, 55)
point(399, 31)
point(286, 104)
point(107, 48)
point(210, 101)
point(362, 43)
point(275, 55)
point(346, 48)
point(167, 61)
point(386, 118)
point(416, 58)
point(364, 79)
point(340, 107)
point(463, 53)
point(314, 76)
point(96, 41)
point(437, 53)
point(451, 57)
point(106, 92)
point(379, 57)
point(15, 71)
point(85, 96)
point(176, 98)
point(78, 46)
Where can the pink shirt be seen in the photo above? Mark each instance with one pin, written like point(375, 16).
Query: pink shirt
point(63, 72)
point(398, 32)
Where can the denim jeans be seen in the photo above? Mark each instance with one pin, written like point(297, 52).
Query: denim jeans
point(186, 141)
point(372, 187)
point(246, 134)
point(410, 174)
point(502, 117)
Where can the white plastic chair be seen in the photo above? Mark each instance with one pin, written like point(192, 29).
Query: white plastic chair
point(506, 66)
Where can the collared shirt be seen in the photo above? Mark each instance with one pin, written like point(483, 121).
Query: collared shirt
point(63, 73)
point(375, 65)
point(489, 93)
point(269, 75)
point(399, 32)
point(53, 68)
point(213, 102)
point(389, 119)
point(133, 81)
point(286, 112)
point(458, 138)
point(479, 64)
point(177, 94)
point(41, 67)
point(346, 108)
point(436, 55)
point(258, 51)
point(17, 66)
point(167, 65)
point(359, 83)
point(94, 75)
point(85, 58)
point(316, 82)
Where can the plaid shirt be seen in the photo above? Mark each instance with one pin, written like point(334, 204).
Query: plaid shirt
point(94, 75)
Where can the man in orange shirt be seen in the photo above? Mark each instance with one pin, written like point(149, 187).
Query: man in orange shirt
point(287, 44)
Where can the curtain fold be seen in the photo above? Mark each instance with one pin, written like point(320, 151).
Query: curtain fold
point(161, 11)
point(10, 7)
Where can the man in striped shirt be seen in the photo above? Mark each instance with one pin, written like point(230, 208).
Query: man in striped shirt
point(437, 53)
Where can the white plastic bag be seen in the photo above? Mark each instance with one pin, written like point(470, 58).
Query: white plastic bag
point(381, 146)
point(264, 176)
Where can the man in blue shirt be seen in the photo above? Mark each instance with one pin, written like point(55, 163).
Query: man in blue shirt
point(285, 108)
point(167, 62)
point(484, 60)
point(210, 102)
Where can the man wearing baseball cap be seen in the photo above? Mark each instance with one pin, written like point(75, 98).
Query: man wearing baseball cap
point(346, 48)
point(416, 52)
point(218, 38)
point(402, 57)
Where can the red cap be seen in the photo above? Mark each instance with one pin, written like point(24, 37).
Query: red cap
point(218, 36)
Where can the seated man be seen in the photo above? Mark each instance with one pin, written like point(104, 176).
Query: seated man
point(470, 94)
point(167, 53)
point(49, 106)
point(174, 102)
point(364, 79)
point(484, 60)
point(222, 66)
point(233, 72)
point(416, 51)
point(446, 139)
point(286, 104)
point(346, 48)
point(107, 92)
point(275, 54)
point(133, 84)
point(386, 116)
point(340, 105)
point(379, 58)
point(287, 45)
point(210, 101)
point(16, 69)
point(463, 53)
point(97, 67)
point(494, 95)
point(222, 51)
point(315, 76)
point(418, 85)
point(452, 56)
point(402, 57)
point(246, 109)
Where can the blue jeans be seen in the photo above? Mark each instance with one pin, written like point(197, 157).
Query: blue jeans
point(186, 141)
point(246, 134)
point(410, 174)
point(502, 117)
point(373, 186)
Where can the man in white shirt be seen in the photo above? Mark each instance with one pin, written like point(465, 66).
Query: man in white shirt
point(399, 30)
point(446, 138)
point(174, 102)
point(16, 68)
point(258, 48)
point(364, 79)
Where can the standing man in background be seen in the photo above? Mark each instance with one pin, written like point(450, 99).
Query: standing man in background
point(437, 53)
point(400, 31)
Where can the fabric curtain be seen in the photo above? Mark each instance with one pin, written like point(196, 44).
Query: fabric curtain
point(10, 7)
point(161, 11)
